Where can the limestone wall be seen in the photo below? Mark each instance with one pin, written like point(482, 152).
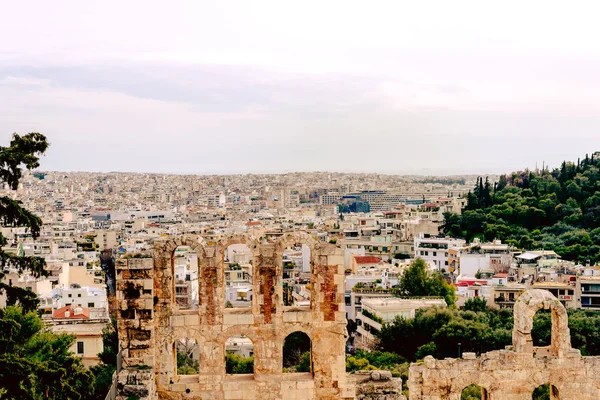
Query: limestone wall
point(150, 323)
point(514, 373)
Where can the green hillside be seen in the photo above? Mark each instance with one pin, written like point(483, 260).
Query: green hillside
point(555, 209)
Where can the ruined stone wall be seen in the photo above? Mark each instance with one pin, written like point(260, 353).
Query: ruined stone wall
point(135, 322)
point(150, 323)
point(514, 373)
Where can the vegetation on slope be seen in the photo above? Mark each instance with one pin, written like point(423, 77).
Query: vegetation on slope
point(556, 210)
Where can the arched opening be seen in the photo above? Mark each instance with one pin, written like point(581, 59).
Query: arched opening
point(297, 353)
point(239, 355)
point(530, 332)
point(188, 356)
point(545, 392)
point(238, 276)
point(542, 328)
point(296, 275)
point(185, 270)
point(474, 392)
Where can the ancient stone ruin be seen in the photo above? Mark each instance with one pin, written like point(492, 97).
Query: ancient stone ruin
point(514, 373)
point(151, 322)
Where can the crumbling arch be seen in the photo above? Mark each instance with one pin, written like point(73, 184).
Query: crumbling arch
point(526, 306)
point(294, 349)
point(240, 238)
point(164, 255)
point(239, 355)
point(546, 391)
point(474, 392)
point(266, 324)
point(297, 237)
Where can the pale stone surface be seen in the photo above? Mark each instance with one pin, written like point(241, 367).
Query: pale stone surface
point(377, 385)
point(150, 323)
point(513, 374)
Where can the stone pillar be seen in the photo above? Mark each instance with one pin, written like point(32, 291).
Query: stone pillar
point(329, 339)
point(266, 286)
point(136, 331)
point(211, 286)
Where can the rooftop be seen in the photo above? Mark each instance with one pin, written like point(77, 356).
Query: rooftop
point(395, 304)
point(367, 259)
point(69, 312)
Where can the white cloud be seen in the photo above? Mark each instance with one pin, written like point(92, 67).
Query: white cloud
point(202, 86)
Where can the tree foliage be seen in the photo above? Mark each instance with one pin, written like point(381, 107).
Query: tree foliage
point(103, 372)
point(235, 364)
point(557, 210)
point(37, 364)
point(438, 331)
point(471, 392)
point(22, 151)
point(34, 362)
point(295, 345)
point(417, 282)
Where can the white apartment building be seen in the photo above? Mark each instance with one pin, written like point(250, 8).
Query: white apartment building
point(376, 312)
point(75, 296)
point(240, 346)
point(484, 257)
point(435, 249)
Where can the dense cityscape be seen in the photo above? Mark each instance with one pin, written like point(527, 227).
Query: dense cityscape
point(410, 248)
point(271, 200)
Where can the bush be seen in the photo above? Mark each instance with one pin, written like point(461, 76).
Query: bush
point(235, 364)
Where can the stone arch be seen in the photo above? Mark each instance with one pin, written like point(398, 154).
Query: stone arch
point(255, 338)
point(164, 250)
point(164, 264)
point(530, 302)
point(484, 391)
point(472, 377)
point(297, 237)
point(548, 388)
point(241, 238)
point(295, 353)
point(297, 327)
point(238, 330)
point(221, 248)
point(196, 243)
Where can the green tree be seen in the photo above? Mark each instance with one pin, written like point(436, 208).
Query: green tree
point(475, 304)
point(36, 363)
point(541, 392)
point(471, 392)
point(235, 364)
point(416, 281)
point(24, 151)
point(103, 372)
point(304, 365)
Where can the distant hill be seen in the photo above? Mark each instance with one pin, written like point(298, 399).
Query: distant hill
point(555, 209)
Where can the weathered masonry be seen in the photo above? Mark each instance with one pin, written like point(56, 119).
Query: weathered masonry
point(151, 322)
point(514, 373)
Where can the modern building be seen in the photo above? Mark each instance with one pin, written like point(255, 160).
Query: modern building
point(79, 322)
point(376, 312)
point(436, 249)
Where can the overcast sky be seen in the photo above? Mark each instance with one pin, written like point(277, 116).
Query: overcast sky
point(431, 87)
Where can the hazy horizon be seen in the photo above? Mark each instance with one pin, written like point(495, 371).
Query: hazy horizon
point(400, 88)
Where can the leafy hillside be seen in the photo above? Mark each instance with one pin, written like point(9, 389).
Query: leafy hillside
point(556, 210)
